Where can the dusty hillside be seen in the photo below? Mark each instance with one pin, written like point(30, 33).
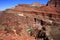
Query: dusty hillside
point(30, 22)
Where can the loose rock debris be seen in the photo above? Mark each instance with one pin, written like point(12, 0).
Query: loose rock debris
point(30, 22)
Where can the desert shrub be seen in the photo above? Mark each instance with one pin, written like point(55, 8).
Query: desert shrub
point(30, 30)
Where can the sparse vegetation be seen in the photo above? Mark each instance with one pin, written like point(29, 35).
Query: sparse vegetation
point(27, 22)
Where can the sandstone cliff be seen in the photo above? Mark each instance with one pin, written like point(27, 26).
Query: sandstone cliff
point(30, 22)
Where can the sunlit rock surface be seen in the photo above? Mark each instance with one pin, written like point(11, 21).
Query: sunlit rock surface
point(30, 22)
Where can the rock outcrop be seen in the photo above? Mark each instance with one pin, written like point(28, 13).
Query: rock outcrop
point(54, 3)
point(30, 22)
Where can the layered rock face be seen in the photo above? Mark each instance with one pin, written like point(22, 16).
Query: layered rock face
point(30, 22)
point(55, 3)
